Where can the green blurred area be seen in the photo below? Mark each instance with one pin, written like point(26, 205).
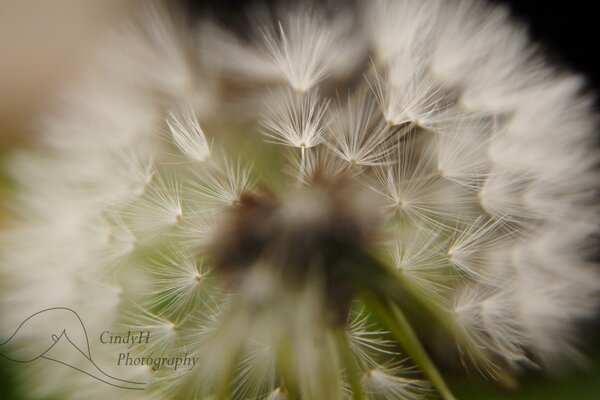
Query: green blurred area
point(577, 385)
point(7, 384)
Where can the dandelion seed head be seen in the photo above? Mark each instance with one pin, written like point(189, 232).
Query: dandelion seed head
point(278, 205)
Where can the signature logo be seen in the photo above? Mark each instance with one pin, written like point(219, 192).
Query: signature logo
point(67, 345)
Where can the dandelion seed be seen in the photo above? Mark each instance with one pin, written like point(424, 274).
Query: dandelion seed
point(295, 120)
point(159, 209)
point(401, 30)
point(277, 394)
point(420, 258)
point(304, 46)
point(222, 185)
point(187, 134)
point(489, 319)
point(367, 342)
point(178, 284)
point(164, 333)
point(410, 99)
point(383, 382)
point(461, 150)
point(414, 187)
point(467, 249)
point(356, 135)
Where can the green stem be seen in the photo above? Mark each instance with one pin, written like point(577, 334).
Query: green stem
point(285, 361)
point(386, 283)
point(226, 377)
point(235, 346)
point(394, 320)
point(354, 373)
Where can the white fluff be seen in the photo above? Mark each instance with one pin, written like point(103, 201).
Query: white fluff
point(187, 134)
point(295, 120)
point(481, 155)
point(305, 47)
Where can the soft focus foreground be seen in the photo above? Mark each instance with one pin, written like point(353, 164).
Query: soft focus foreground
point(328, 210)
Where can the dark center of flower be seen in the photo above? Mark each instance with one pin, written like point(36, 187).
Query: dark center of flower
point(314, 232)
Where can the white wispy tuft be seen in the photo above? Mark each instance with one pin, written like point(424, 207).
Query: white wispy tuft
point(387, 383)
point(187, 134)
point(363, 163)
point(357, 135)
point(305, 47)
point(296, 120)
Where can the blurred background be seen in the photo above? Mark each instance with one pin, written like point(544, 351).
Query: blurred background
point(44, 44)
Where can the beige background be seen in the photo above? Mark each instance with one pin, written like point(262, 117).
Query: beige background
point(42, 44)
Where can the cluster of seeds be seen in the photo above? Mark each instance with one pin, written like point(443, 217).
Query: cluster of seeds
point(249, 200)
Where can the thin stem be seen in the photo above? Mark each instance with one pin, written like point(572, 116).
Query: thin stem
point(285, 361)
point(394, 320)
point(226, 379)
point(354, 373)
point(387, 284)
point(230, 358)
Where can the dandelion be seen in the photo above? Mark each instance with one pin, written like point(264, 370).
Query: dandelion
point(295, 208)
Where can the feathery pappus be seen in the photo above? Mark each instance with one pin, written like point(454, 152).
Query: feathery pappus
point(304, 209)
